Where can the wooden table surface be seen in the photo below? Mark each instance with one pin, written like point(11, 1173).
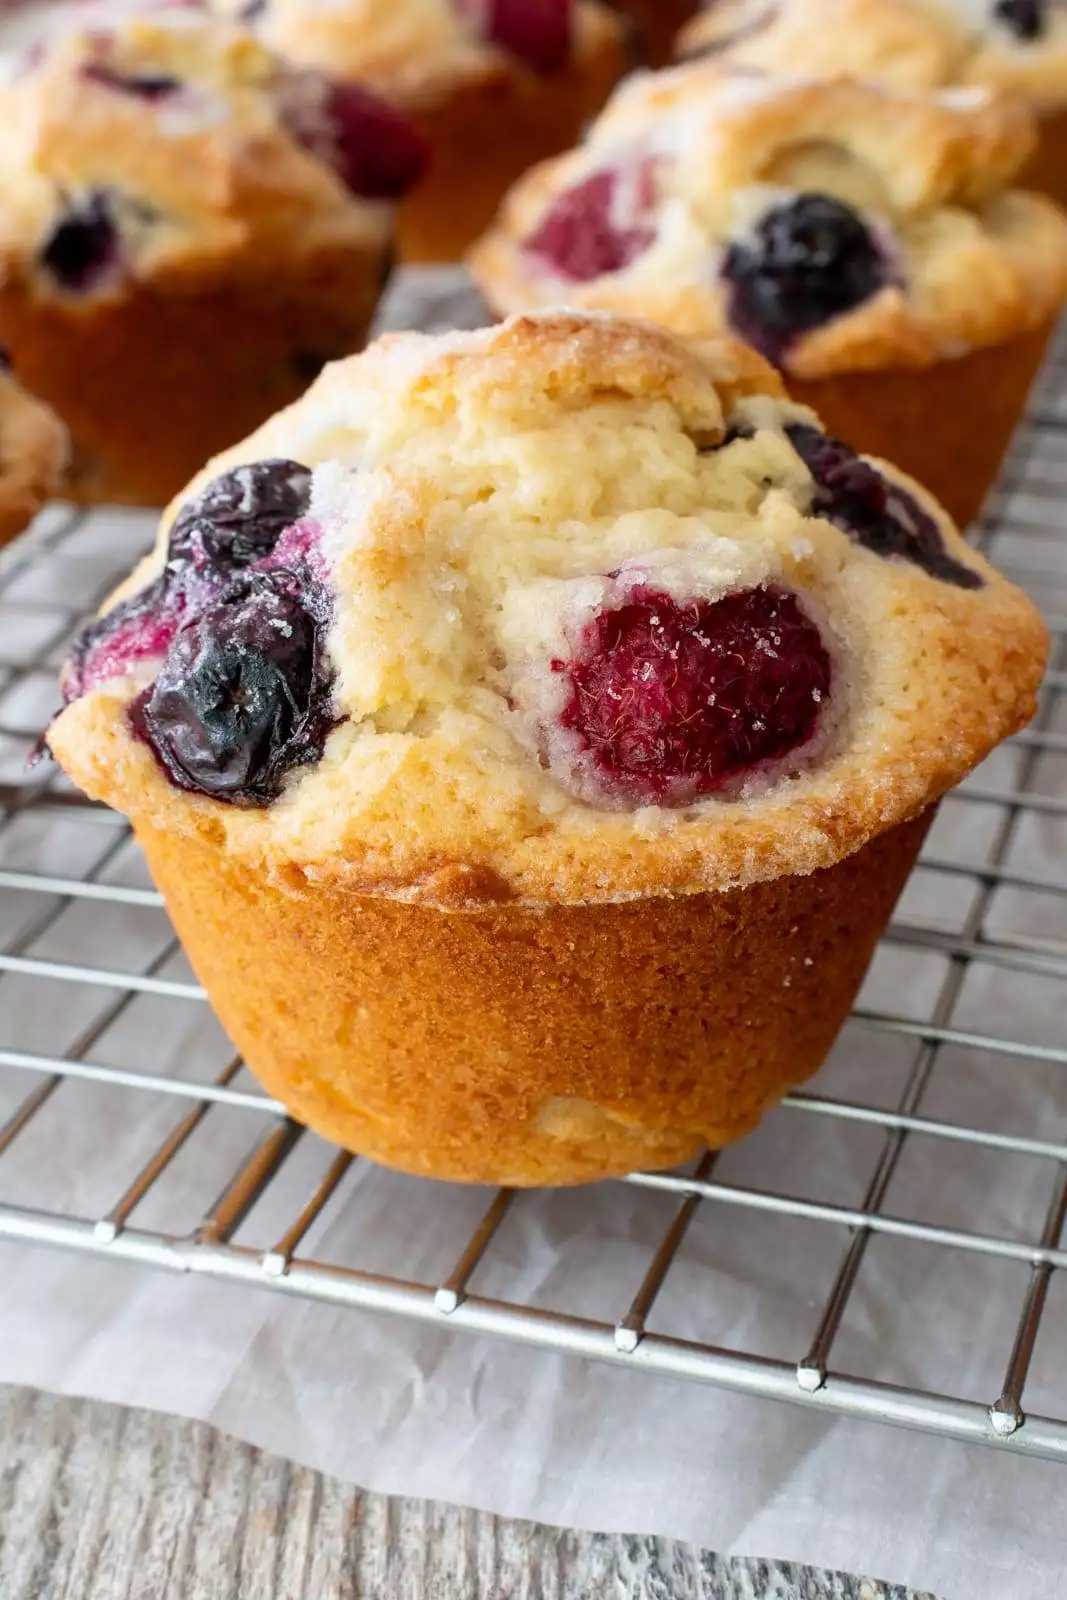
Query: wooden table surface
point(101, 1503)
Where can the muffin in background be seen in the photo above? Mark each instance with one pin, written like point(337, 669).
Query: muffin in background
point(493, 86)
point(867, 240)
point(188, 231)
point(33, 453)
point(530, 731)
point(1014, 45)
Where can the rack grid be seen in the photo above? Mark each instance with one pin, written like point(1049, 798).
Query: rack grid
point(61, 570)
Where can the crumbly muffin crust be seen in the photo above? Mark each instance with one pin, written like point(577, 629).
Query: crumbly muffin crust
point(476, 492)
point(418, 52)
point(33, 451)
point(970, 262)
point(911, 44)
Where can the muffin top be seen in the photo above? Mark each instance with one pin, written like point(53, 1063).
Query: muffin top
point(561, 610)
point(33, 453)
point(166, 143)
point(834, 224)
point(417, 51)
point(913, 44)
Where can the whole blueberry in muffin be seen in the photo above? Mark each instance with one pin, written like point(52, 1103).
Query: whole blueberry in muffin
point(808, 260)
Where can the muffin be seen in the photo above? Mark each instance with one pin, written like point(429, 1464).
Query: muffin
point(866, 240)
point(33, 451)
point(187, 233)
point(530, 732)
point(493, 85)
point(1018, 45)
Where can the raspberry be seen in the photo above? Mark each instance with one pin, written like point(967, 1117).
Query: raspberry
point(600, 226)
point(538, 32)
point(673, 701)
point(374, 149)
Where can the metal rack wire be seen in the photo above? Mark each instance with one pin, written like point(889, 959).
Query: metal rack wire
point(995, 910)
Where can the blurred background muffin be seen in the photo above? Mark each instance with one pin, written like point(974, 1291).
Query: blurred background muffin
point(33, 453)
point(188, 230)
point(493, 85)
point(1017, 45)
point(869, 241)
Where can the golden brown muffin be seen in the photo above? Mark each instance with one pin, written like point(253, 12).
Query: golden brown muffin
point(187, 232)
point(494, 85)
point(867, 240)
point(33, 453)
point(1016, 45)
point(530, 732)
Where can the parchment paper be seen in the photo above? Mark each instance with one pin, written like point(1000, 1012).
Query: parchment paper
point(421, 1411)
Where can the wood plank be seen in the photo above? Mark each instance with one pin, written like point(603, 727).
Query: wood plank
point(102, 1503)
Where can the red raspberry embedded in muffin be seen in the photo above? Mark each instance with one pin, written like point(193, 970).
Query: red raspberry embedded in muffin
point(601, 225)
point(379, 153)
point(673, 701)
point(374, 149)
point(537, 31)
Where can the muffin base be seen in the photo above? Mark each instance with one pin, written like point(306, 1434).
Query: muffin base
point(154, 381)
point(530, 1046)
point(949, 426)
point(1046, 171)
point(485, 134)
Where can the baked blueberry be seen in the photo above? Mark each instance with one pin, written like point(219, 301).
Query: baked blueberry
point(808, 260)
point(244, 695)
point(878, 514)
point(238, 517)
point(583, 237)
point(675, 700)
point(83, 247)
point(1026, 19)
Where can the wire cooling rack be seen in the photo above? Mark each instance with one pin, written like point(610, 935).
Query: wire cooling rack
point(933, 1076)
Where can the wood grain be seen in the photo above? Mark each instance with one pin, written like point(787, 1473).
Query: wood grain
point(101, 1503)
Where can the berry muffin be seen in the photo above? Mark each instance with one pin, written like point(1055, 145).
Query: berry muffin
point(493, 85)
point(33, 452)
point(530, 732)
point(1018, 45)
point(865, 240)
point(188, 232)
